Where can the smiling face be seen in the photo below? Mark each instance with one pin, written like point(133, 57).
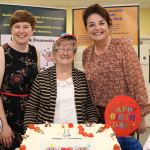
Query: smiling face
point(21, 32)
point(97, 27)
point(65, 53)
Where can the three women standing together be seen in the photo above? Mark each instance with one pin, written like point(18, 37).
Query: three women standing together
point(111, 67)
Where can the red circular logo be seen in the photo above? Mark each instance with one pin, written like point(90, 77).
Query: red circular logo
point(123, 114)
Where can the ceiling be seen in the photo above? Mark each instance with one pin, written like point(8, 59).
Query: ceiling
point(78, 3)
point(84, 3)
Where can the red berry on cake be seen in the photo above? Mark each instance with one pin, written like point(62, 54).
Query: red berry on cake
point(90, 135)
point(70, 125)
point(80, 127)
point(85, 134)
point(116, 147)
point(31, 126)
point(22, 147)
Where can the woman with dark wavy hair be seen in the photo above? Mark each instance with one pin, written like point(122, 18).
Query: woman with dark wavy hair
point(111, 65)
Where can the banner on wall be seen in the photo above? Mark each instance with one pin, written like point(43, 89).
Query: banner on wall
point(125, 21)
point(125, 24)
point(51, 23)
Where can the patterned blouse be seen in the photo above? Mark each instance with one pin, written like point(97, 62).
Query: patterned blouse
point(114, 73)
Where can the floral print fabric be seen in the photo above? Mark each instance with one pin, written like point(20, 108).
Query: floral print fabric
point(117, 72)
point(20, 71)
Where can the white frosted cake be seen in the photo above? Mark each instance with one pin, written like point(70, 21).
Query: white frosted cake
point(69, 137)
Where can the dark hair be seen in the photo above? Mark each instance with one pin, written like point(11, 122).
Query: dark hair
point(22, 16)
point(65, 37)
point(96, 9)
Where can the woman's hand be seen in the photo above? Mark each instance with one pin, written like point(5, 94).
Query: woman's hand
point(6, 136)
point(142, 126)
point(1, 140)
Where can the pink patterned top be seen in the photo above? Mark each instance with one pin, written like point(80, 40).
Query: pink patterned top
point(114, 73)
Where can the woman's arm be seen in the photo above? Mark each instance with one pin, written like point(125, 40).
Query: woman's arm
point(6, 137)
point(2, 69)
point(135, 82)
point(38, 59)
point(135, 79)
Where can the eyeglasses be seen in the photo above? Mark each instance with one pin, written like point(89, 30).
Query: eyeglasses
point(65, 49)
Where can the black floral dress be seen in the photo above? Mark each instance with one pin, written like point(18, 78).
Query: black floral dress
point(20, 71)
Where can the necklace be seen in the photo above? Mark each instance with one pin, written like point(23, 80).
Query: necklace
point(98, 52)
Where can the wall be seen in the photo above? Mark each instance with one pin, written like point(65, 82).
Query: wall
point(145, 22)
point(144, 33)
point(145, 49)
point(144, 59)
point(69, 20)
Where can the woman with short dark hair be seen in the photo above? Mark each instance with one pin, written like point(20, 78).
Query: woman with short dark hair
point(19, 66)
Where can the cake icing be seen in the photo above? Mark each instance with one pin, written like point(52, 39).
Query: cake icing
point(69, 137)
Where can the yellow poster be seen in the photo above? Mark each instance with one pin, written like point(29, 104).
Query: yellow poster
point(125, 21)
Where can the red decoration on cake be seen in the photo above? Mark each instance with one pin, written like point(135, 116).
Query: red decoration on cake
point(116, 147)
point(31, 126)
point(90, 135)
point(70, 125)
point(83, 133)
point(123, 114)
point(22, 147)
point(69, 148)
point(60, 136)
point(81, 129)
point(35, 128)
